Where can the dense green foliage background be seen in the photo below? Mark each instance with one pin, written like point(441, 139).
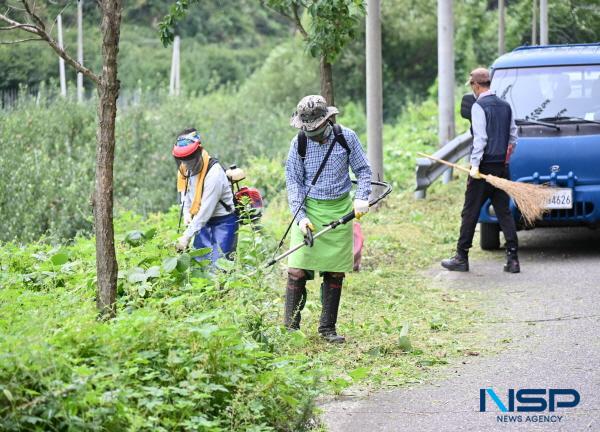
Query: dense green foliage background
point(47, 163)
point(225, 41)
point(191, 350)
point(242, 74)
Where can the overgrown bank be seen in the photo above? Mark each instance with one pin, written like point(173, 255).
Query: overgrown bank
point(190, 351)
point(193, 352)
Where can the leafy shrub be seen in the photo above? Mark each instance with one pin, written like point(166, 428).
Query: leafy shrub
point(188, 351)
point(47, 164)
point(48, 159)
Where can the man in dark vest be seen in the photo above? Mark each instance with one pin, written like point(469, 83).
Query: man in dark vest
point(494, 139)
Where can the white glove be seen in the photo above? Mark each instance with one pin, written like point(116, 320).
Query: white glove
point(182, 243)
point(475, 172)
point(187, 219)
point(305, 224)
point(361, 208)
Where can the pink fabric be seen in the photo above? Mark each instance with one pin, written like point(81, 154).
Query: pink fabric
point(359, 241)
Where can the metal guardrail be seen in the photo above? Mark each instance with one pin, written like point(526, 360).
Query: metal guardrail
point(429, 171)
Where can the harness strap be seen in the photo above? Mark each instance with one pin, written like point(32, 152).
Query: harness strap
point(227, 207)
point(338, 136)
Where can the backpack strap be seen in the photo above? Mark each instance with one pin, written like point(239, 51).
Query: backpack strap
point(211, 163)
point(302, 141)
point(338, 135)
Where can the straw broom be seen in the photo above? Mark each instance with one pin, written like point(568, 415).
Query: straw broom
point(531, 199)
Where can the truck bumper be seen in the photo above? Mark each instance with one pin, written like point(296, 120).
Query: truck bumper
point(585, 210)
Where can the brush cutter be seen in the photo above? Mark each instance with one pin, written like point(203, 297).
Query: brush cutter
point(310, 237)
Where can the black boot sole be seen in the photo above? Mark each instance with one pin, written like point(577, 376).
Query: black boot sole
point(507, 269)
point(334, 339)
point(461, 268)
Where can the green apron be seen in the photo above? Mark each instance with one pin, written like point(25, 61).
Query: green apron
point(333, 251)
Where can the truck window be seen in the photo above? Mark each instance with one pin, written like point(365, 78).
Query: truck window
point(563, 91)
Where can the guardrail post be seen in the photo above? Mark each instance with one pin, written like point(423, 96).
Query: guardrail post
point(447, 176)
point(428, 171)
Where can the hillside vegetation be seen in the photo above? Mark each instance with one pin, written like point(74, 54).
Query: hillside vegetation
point(191, 349)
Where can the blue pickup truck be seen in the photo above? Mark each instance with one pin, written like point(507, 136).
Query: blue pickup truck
point(554, 92)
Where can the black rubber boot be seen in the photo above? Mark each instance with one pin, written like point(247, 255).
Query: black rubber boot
point(512, 261)
point(459, 262)
point(295, 299)
point(331, 292)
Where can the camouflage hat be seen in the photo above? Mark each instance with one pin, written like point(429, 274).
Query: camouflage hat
point(311, 112)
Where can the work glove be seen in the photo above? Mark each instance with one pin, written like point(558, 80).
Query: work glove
point(187, 219)
point(475, 172)
point(361, 208)
point(305, 224)
point(182, 243)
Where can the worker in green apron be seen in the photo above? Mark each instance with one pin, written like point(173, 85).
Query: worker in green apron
point(316, 204)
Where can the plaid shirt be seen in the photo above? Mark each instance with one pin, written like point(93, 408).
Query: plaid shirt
point(334, 181)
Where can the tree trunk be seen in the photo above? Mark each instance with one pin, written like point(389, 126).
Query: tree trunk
point(326, 81)
point(108, 91)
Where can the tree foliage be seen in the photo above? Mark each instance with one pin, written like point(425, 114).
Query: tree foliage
point(236, 23)
point(332, 24)
point(225, 41)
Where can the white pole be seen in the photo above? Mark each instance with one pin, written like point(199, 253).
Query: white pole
point(178, 66)
point(374, 89)
point(172, 78)
point(501, 27)
point(543, 22)
point(173, 84)
point(80, 49)
point(61, 61)
point(534, 23)
point(445, 39)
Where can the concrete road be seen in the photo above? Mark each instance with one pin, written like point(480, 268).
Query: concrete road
point(550, 313)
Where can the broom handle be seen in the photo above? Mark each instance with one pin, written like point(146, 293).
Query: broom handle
point(448, 163)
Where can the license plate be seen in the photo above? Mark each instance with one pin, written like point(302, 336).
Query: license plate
point(560, 199)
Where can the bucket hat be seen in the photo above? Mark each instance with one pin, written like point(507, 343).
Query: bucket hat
point(311, 112)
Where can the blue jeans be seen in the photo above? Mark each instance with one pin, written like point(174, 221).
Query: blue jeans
point(219, 234)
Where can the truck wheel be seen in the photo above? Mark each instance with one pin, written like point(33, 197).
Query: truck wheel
point(489, 234)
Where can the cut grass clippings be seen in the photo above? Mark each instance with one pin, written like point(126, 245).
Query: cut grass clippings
point(398, 326)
